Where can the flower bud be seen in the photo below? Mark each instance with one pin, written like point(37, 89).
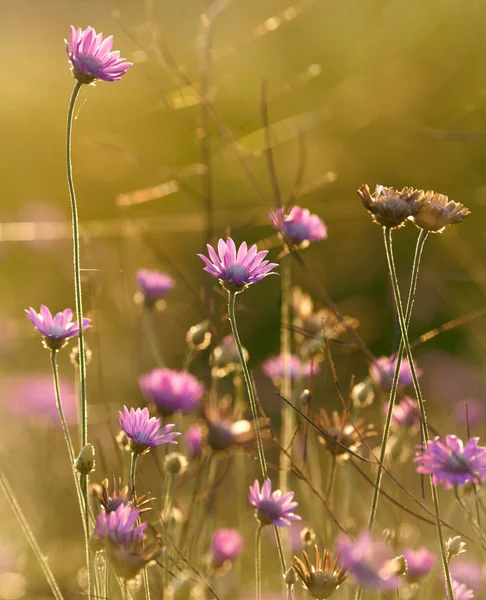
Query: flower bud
point(74, 356)
point(85, 463)
point(175, 463)
point(308, 536)
point(305, 396)
point(363, 393)
point(199, 336)
point(290, 577)
point(455, 546)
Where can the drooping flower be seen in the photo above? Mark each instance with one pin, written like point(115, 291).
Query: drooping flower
point(226, 546)
point(468, 571)
point(56, 330)
point(383, 369)
point(273, 367)
point(236, 270)
point(322, 579)
point(299, 225)
point(369, 563)
point(419, 563)
point(154, 286)
point(389, 207)
point(91, 57)
point(172, 391)
point(118, 527)
point(272, 507)
point(451, 463)
point(405, 413)
point(145, 432)
point(435, 212)
point(461, 591)
point(193, 440)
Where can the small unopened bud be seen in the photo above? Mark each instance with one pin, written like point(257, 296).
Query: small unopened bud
point(305, 397)
point(455, 546)
point(74, 355)
point(363, 393)
point(175, 463)
point(85, 463)
point(290, 577)
point(199, 336)
point(308, 536)
point(400, 565)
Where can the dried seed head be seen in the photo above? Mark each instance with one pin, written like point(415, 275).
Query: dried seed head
point(455, 546)
point(176, 463)
point(321, 579)
point(308, 536)
point(436, 212)
point(199, 336)
point(389, 207)
point(363, 393)
point(85, 463)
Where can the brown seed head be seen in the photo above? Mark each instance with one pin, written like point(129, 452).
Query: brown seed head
point(389, 207)
point(321, 579)
point(436, 212)
point(343, 430)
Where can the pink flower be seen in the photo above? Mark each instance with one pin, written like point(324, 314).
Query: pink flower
point(272, 507)
point(144, 432)
point(226, 545)
point(299, 225)
point(55, 330)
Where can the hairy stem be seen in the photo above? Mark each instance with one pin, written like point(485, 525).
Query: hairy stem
point(258, 561)
point(133, 488)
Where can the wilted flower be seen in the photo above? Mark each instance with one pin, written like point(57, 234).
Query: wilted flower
point(154, 286)
point(455, 546)
point(91, 57)
point(236, 271)
point(341, 429)
point(272, 507)
point(145, 432)
point(383, 369)
point(299, 225)
point(452, 463)
point(419, 562)
point(369, 563)
point(405, 413)
point(226, 546)
point(226, 358)
point(322, 579)
point(436, 212)
point(273, 367)
point(118, 527)
point(389, 207)
point(461, 591)
point(193, 439)
point(55, 330)
point(171, 391)
point(110, 500)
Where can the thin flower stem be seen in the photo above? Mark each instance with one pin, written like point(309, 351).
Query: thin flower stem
point(148, 326)
point(288, 417)
point(41, 559)
point(133, 489)
point(79, 312)
point(418, 392)
point(258, 561)
point(254, 411)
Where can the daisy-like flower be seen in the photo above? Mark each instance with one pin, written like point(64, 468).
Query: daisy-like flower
point(273, 367)
point(237, 270)
point(369, 563)
point(172, 391)
point(145, 432)
point(436, 212)
point(469, 572)
point(272, 508)
point(451, 463)
point(389, 207)
point(405, 413)
point(322, 579)
point(56, 330)
point(154, 286)
point(383, 369)
point(461, 591)
point(91, 57)
point(118, 527)
point(299, 225)
point(226, 546)
point(419, 563)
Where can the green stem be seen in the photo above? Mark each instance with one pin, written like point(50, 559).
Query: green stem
point(258, 561)
point(254, 411)
point(41, 559)
point(285, 388)
point(133, 489)
point(148, 326)
point(418, 392)
point(79, 309)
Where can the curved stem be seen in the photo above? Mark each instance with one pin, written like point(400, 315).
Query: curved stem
point(133, 490)
point(418, 392)
point(79, 311)
point(258, 561)
point(253, 407)
point(41, 559)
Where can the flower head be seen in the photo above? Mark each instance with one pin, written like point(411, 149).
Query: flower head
point(237, 270)
point(419, 563)
point(154, 286)
point(461, 591)
point(226, 546)
point(273, 367)
point(369, 563)
point(405, 413)
point(55, 330)
point(193, 440)
point(225, 357)
point(435, 212)
point(389, 207)
point(171, 391)
point(383, 369)
point(476, 411)
point(111, 499)
point(226, 427)
point(342, 429)
point(469, 572)
point(145, 432)
point(118, 527)
point(452, 463)
point(299, 225)
point(322, 579)
point(272, 507)
point(91, 57)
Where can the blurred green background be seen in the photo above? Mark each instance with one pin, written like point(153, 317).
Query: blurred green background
point(377, 92)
